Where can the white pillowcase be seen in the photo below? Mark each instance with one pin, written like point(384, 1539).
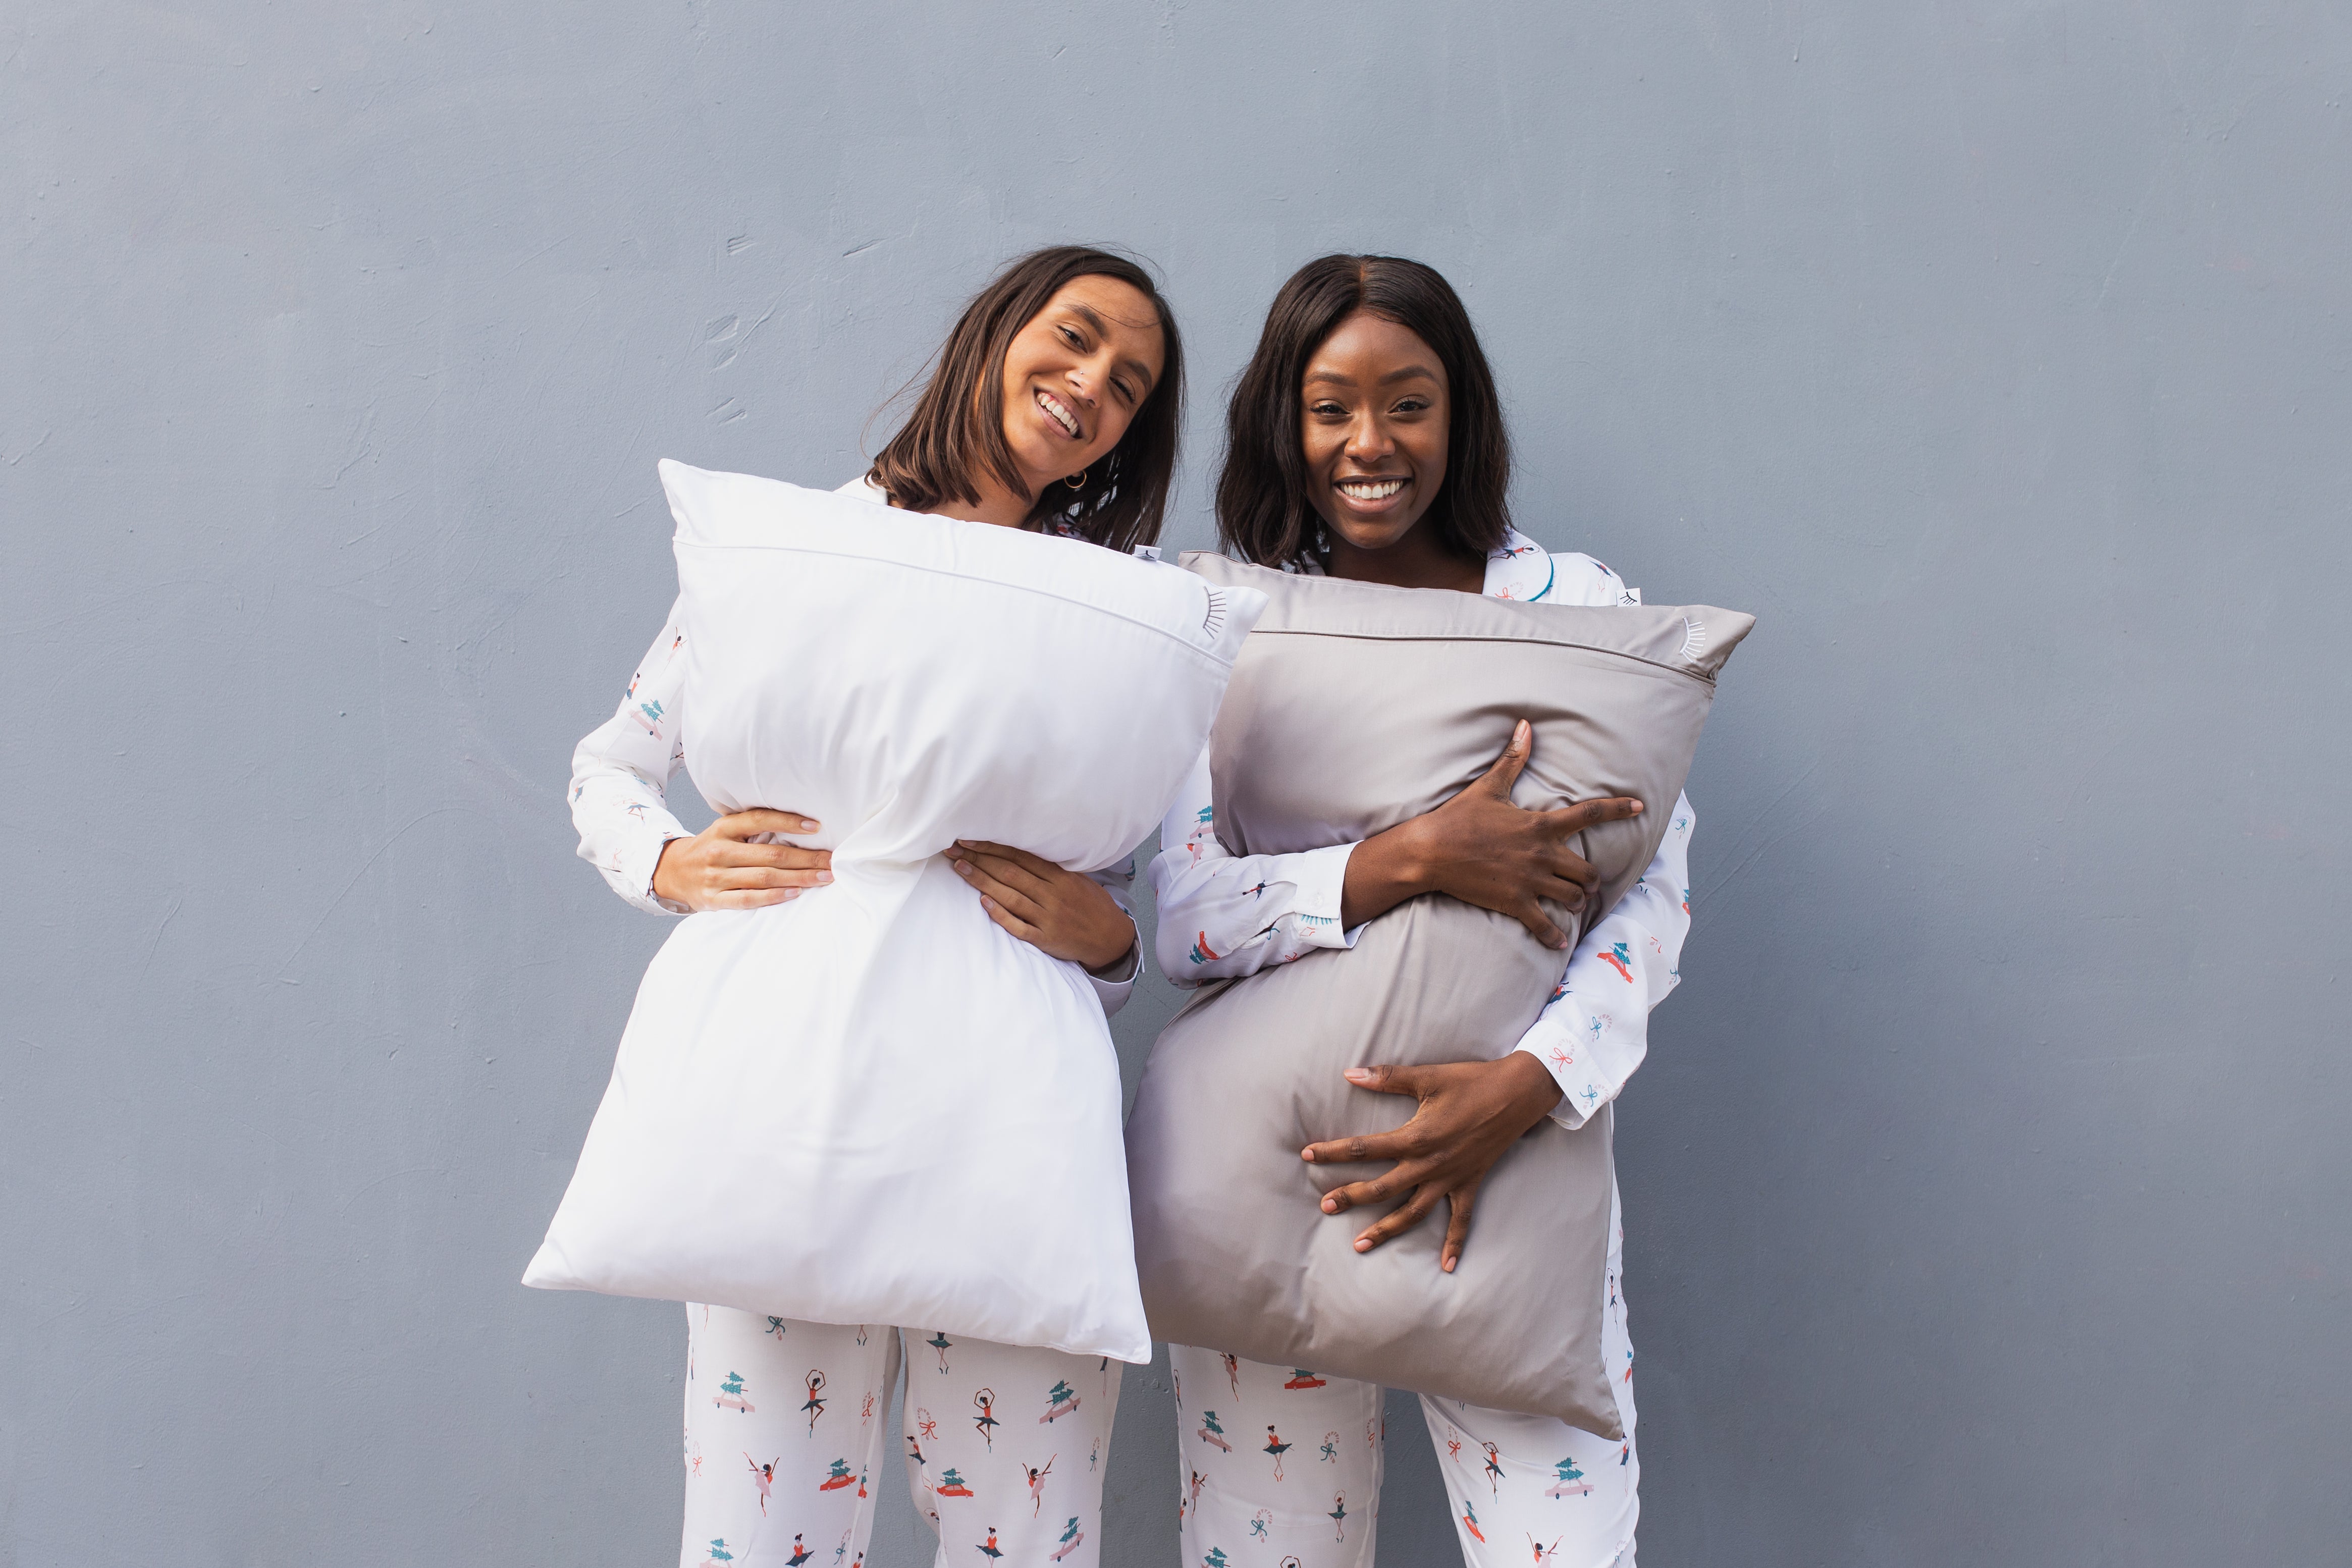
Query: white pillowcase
point(871, 1104)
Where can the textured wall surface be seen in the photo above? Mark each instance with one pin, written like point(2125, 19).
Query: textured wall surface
point(1985, 1188)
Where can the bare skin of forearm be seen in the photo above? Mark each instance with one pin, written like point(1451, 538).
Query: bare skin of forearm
point(1383, 871)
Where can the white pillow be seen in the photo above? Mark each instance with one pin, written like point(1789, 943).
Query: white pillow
point(871, 1104)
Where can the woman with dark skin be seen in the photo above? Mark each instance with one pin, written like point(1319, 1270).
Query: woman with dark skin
point(1365, 441)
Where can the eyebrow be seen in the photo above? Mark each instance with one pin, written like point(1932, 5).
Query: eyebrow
point(1405, 374)
point(1087, 313)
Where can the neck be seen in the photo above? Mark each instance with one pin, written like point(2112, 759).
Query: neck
point(1416, 561)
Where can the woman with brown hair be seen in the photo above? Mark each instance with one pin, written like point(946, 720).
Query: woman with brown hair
point(1365, 441)
point(1053, 406)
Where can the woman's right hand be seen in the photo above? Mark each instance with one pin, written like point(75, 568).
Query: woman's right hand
point(720, 868)
point(1483, 850)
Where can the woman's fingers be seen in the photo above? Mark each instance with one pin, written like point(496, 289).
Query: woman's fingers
point(1539, 924)
point(1505, 772)
point(1016, 868)
point(1459, 1202)
point(759, 819)
point(990, 890)
point(1569, 820)
point(781, 857)
point(729, 879)
point(1392, 1225)
point(1010, 921)
point(756, 898)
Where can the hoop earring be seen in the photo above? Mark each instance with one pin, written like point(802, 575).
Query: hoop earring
point(1322, 540)
point(1076, 481)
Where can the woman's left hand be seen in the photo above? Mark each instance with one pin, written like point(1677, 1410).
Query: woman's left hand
point(1055, 910)
point(1470, 1114)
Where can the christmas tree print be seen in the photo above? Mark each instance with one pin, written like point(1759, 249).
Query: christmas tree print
point(1470, 1520)
point(1620, 958)
point(1215, 1559)
point(1302, 1378)
point(837, 1478)
point(1211, 1432)
point(952, 1484)
point(719, 1552)
point(1060, 1401)
point(731, 1393)
point(1072, 1539)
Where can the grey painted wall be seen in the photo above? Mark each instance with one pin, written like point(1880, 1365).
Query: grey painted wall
point(1985, 1188)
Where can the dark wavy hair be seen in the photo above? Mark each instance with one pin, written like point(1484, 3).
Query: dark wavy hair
point(956, 432)
point(1263, 511)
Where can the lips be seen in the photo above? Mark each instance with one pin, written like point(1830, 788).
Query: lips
point(1061, 413)
point(1369, 490)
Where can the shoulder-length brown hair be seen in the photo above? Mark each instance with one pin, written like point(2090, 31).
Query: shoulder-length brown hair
point(956, 432)
point(1263, 511)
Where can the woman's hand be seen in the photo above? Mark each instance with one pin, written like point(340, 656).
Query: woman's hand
point(1055, 911)
point(1484, 849)
point(1470, 1112)
point(720, 868)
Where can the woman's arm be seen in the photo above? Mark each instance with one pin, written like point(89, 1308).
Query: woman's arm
point(1223, 916)
point(1596, 1029)
point(1082, 918)
point(620, 777)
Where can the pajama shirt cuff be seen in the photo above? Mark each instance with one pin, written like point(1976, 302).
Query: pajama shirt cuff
point(1581, 1090)
point(635, 879)
point(1113, 993)
point(1320, 878)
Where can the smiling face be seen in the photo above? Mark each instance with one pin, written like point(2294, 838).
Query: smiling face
point(1075, 376)
point(1374, 418)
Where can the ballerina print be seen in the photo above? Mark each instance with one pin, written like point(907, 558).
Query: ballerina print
point(940, 1343)
point(1037, 1486)
point(815, 1404)
point(1545, 1554)
point(1338, 1516)
point(988, 1547)
point(986, 1422)
point(1494, 1469)
point(800, 1554)
point(764, 1478)
point(1233, 1372)
point(1277, 1448)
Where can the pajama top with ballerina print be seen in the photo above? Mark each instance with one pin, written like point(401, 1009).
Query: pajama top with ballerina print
point(622, 770)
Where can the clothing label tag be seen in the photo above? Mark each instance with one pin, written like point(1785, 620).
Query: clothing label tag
point(1147, 552)
point(1630, 596)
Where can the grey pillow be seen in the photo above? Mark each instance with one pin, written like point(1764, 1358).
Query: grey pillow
point(1354, 707)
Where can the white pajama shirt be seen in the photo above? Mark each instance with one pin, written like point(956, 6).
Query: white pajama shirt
point(784, 1423)
point(1522, 1488)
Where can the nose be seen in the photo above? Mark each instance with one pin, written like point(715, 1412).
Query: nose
point(1083, 380)
point(1368, 438)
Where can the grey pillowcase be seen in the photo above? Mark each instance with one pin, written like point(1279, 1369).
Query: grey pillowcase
point(1354, 707)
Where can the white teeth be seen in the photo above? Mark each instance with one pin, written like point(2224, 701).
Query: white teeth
point(1062, 416)
point(1371, 489)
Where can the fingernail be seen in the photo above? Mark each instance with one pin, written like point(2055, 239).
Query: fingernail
point(1306, 1154)
point(1449, 1265)
point(1358, 1074)
point(823, 877)
point(1363, 1244)
point(810, 824)
point(1330, 1206)
point(961, 869)
point(790, 894)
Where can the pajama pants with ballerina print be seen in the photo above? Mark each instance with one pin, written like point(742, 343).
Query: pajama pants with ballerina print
point(1280, 1467)
point(1004, 1446)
